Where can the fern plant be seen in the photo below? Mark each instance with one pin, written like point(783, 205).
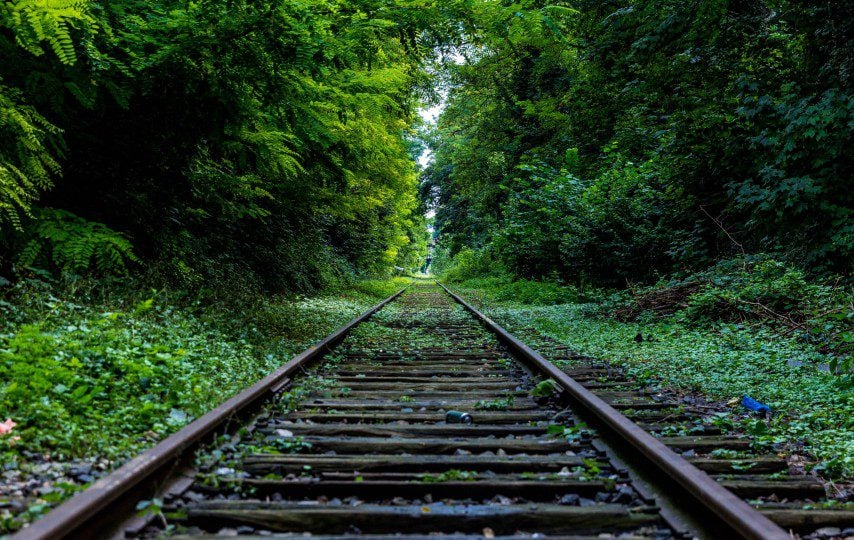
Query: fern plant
point(73, 244)
point(28, 142)
point(36, 22)
point(26, 165)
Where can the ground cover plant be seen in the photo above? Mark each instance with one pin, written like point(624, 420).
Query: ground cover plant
point(812, 406)
point(191, 192)
point(91, 379)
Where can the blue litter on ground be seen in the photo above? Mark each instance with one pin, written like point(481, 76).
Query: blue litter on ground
point(753, 405)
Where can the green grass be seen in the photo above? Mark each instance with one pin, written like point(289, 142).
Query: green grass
point(814, 411)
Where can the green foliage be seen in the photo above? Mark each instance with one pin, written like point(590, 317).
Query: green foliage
point(545, 389)
point(26, 162)
point(723, 360)
point(266, 140)
point(33, 22)
point(380, 288)
point(452, 475)
point(90, 372)
point(606, 144)
point(756, 288)
point(497, 404)
point(468, 264)
point(522, 291)
point(62, 240)
point(29, 143)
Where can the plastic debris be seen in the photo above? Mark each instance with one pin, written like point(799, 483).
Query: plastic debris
point(458, 417)
point(7, 426)
point(753, 405)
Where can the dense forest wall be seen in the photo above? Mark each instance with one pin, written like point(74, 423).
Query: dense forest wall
point(618, 141)
point(270, 144)
point(244, 143)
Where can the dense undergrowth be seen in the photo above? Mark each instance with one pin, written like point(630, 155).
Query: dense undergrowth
point(709, 337)
point(88, 373)
point(91, 373)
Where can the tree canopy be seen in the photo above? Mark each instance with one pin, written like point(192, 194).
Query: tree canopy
point(620, 140)
point(275, 142)
point(270, 140)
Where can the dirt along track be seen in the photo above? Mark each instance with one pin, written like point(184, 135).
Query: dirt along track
point(371, 442)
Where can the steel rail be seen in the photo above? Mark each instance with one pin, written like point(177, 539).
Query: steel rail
point(737, 514)
point(77, 516)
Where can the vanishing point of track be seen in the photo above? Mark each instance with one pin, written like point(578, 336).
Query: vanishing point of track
point(350, 439)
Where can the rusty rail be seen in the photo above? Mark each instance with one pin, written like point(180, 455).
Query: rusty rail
point(733, 511)
point(77, 517)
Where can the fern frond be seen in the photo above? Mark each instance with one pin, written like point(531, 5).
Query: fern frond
point(72, 244)
point(34, 22)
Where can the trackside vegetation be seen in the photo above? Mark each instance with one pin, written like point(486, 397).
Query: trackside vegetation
point(696, 355)
point(191, 192)
point(609, 172)
point(92, 378)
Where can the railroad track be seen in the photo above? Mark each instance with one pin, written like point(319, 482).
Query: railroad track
point(363, 436)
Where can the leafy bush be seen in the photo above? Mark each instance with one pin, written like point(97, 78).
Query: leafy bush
point(28, 141)
point(59, 239)
point(676, 133)
point(737, 286)
point(468, 264)
point(605, 229)
point(762, 288)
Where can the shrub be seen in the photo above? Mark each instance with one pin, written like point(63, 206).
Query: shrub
point(468, 264)
point(537, 292)
point(61, 240)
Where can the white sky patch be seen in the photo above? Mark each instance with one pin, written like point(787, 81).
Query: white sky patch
point(432, 114)
point(425, 158)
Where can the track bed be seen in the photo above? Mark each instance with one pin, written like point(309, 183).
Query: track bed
point(360, 445)
point(363, 447)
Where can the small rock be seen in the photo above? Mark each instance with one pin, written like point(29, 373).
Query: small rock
point(80, 470)
point(624, 495)
point(284, 433)
point(570, 500)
